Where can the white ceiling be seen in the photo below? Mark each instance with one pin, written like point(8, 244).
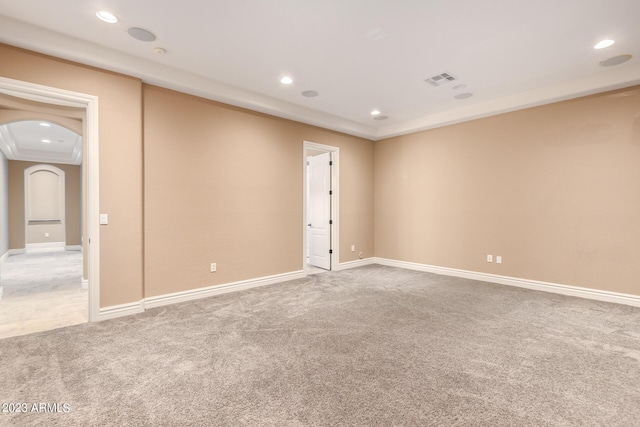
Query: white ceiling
point(29, 140)
point(359, 55)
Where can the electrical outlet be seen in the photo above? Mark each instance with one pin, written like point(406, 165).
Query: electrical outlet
point(213, 267)
point(498, 259)
point(46, 234)
point(489, 258)
point(353, 248)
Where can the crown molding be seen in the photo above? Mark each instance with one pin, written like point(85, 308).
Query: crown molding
point(27, 36)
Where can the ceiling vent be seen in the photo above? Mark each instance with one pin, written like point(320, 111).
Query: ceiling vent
point(440, 79)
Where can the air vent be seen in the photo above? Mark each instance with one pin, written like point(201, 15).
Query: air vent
point(440, 79)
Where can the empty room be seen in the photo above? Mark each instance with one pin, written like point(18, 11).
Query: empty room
point(297, 213)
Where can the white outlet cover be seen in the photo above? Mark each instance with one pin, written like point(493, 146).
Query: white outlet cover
point(489, 258)
point(104, 219)
point(499, 259)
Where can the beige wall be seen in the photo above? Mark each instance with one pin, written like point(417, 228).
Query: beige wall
point(73, 227)
point(553, 190)
point(225, 185)
point(120, 112)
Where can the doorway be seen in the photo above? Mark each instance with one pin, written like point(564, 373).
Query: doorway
point(52, 100)
point(321, 195)
point(41, 275)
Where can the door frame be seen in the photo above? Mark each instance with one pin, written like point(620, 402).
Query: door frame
point(55, 96)
point(334, 152)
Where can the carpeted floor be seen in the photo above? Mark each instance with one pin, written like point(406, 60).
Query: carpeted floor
point(372, 346)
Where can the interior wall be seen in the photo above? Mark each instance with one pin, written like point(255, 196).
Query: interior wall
point(120, 133)
point(225, 185)
point(73, 226)
point(552, 189)
point(4, 205)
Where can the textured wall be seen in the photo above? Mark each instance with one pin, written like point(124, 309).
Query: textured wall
point(120, 112)
point(225, 185)
point(552, 189)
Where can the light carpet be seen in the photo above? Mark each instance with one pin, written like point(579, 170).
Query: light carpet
point(372, 346)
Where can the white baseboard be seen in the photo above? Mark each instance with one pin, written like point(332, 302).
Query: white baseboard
point(353, 264)
point(84, 283)
point(161, 300)
point(121, 310)
point(73, 248)
point(594, 294)
point(4, 257)
point(35, 247)
point(193, 294)
point(17, 251)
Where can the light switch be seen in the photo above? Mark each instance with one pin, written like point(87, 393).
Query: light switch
point(104, 219)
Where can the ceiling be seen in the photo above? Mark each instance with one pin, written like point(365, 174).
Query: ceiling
point(40, 141)
point(359, 55)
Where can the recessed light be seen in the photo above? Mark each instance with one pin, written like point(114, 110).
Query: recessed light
point(286, 80)
point(463, 95)
point(310, 93)
point(46, 140)
point(45, 124)
point(375, 113)
point(107, 17)
point(604, 43)
point(141, 34)
point(616, 60)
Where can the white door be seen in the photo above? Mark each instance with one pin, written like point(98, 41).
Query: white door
point(319, 210)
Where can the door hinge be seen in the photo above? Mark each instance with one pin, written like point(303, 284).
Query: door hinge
point(330, 222)
point(330, 163)
point(330, 251)
point(330, 193)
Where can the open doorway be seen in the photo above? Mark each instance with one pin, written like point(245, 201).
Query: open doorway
point(320, 207)
point(49, 253)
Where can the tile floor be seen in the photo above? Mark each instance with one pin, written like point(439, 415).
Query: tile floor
point(42, 290)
